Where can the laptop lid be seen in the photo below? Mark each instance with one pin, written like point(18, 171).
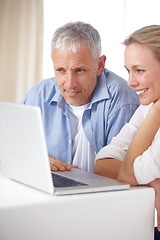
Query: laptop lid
point(24, 156)
point(23, 152)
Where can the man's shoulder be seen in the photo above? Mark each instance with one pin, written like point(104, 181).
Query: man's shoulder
point(46, 83)
point(47, 86)
point(119, 90)
point(116, 83)
point(42, 91)
point(112, 79)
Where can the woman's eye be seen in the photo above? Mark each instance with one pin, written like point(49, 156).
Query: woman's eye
point(139, 70)
point(127, 69)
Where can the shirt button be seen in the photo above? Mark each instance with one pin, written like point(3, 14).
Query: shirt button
point(69, 141)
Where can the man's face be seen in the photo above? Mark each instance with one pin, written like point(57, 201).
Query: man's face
point(76, 74)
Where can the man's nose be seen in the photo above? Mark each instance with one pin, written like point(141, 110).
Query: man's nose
point(70, 80)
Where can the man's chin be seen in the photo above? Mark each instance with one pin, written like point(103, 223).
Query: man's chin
point(74, 103)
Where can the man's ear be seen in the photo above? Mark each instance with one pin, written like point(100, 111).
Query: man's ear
point(101, 65)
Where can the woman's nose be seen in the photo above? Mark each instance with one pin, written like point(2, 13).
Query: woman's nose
point(132, 81)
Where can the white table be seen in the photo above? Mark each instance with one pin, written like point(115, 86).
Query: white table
point(29, 214)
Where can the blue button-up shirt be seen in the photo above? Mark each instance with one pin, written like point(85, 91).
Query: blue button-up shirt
point(112, 105)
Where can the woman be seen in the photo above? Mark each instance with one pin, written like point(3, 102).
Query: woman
point(133, 156)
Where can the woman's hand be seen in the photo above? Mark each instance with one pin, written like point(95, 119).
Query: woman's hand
point(157, 104)
point(156, 185)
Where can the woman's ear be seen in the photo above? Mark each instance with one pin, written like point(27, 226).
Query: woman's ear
point(101, 65)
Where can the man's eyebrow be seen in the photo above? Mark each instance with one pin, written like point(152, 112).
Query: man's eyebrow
point(58, 67)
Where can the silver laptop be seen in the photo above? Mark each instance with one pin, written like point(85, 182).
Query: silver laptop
point(24, 157)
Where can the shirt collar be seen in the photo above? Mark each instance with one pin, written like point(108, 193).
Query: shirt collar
point(101, 91)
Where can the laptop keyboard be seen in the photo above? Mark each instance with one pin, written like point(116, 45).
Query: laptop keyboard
point(61, 181)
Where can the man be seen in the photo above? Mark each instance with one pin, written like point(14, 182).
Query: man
point(84, 106)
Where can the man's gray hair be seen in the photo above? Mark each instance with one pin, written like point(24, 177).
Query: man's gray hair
point(77, 35)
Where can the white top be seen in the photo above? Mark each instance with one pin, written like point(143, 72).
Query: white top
point(147, 165)
point(82, 152)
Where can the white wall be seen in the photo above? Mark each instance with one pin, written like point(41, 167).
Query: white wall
point(114, 19)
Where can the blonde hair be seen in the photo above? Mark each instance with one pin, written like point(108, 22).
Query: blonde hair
point(149, 35)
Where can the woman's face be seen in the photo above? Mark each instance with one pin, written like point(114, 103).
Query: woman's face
point(144, 72)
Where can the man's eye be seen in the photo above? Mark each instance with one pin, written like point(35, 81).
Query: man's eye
point(59, 70)
point(80, 70)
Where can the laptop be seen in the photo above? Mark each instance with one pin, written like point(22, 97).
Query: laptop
point(24, 156)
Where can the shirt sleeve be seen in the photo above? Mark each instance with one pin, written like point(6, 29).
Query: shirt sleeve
point(31, 97)
point(119, 144)
point(147, 165)
point(111, 151)
point(121, 111)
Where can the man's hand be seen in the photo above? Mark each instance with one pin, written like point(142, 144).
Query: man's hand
point(57, 165)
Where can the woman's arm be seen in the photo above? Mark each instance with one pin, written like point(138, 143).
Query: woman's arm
point(107, 167)
point(140, 143)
